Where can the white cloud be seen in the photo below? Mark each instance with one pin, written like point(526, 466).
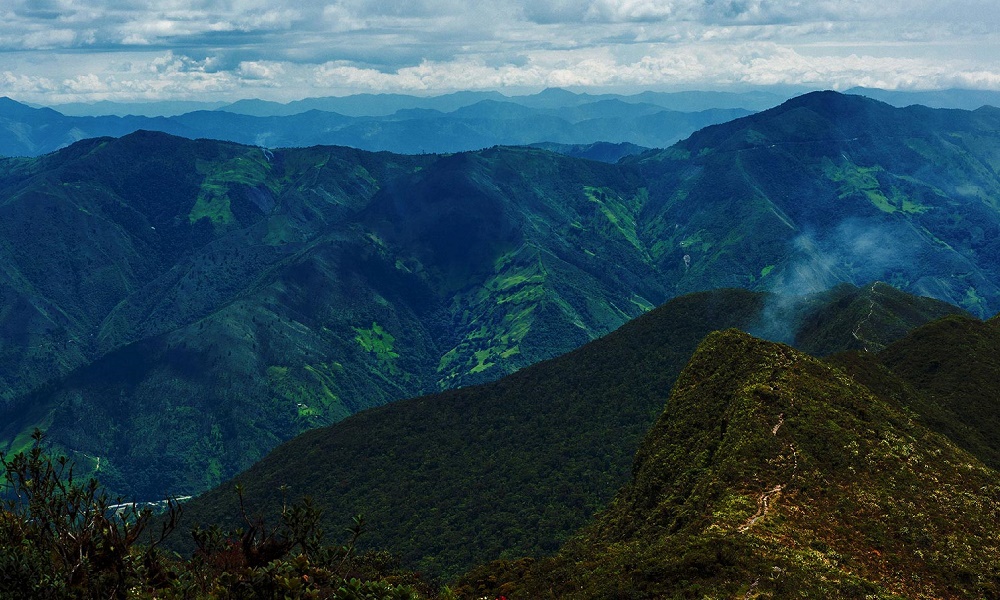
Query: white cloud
point(260, 70)
point(749, 63)
point(635, 10)
point(24, 85)
point(85, 84)
point(286, 49)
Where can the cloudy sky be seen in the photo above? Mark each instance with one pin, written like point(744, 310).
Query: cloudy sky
point(54, 51)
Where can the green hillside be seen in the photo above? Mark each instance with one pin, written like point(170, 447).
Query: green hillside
point(511, 468)
point(768, 474)
point(772, 475)
point(290, 291)
point(828, 188)
point(955, 364)
point(850, 318)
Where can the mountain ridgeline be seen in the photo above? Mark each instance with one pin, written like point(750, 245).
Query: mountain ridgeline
point(771, 474)
point(173, 309)
point(404, 124)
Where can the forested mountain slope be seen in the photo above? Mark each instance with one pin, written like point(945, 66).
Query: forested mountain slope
point(236, 296)
point(512, 467)
point(771, 474)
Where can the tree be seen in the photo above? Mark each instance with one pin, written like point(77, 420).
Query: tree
point(65, 538)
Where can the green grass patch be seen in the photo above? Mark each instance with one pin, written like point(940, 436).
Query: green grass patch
point(504, 309)
point(618, 212)
point(363, 173)
point(377, 341)
point(880, 201)
point(912, 208)
point(864, 180)
point(213, 203)
point(699, 240)
point(312, 388)
point(510, 352)
point(642, 303)
point(973, 302)
point(447, 360)
point(481, 361)
point(23, 442)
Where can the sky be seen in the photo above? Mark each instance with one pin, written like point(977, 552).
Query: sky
point(57, 51)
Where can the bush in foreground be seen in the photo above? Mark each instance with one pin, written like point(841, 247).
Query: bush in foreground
point(64, 538)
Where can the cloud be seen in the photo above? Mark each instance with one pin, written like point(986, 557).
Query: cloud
point(25, 85)
point(260, 70)
point(289, 49)
point(858, 251)
point(39, 9)
point(747, 64)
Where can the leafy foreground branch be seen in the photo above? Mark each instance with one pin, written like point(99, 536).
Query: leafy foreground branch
point(61, 537)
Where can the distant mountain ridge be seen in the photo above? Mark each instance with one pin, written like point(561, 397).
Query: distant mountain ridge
point(405, 124)
point(602, 151)
point(952, 98)
point(163, 108)
point(852, 189)
point(383, 105)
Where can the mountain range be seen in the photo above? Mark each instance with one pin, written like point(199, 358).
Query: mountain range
point(173, 309)
point(458, 123)
point(411, 124)
point(374, 105)
point(383, 105)
point(951, 98)
point(464, 346)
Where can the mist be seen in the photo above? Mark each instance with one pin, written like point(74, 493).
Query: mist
point(857, 252)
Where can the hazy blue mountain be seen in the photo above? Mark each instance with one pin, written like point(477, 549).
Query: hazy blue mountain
point(254, 107)
point(551, 99)
point(383, 105)
point(693, 101)
point(362, 105)
point(26, 131)
point(953, 98)
point(690, 101)
point(162, 108)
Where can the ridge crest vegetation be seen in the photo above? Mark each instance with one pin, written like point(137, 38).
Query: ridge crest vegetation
point(772, 474)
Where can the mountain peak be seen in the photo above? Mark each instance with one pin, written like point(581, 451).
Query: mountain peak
point(12, 108)
point(557, 92)
point(772, 473)
point(832, 102)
